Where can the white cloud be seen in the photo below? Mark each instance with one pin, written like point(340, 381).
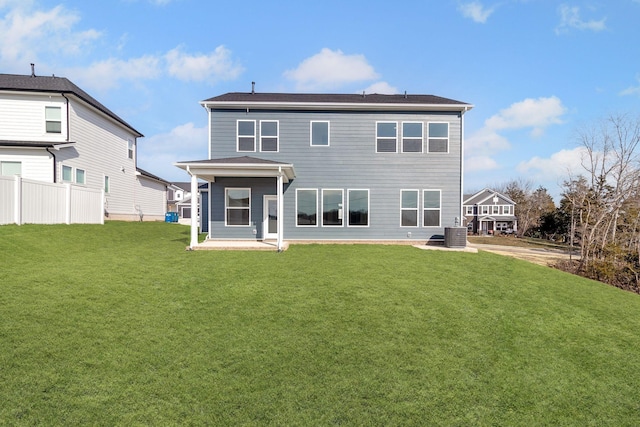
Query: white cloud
point(28, 34)
point(558, 166)
point(108, 74)
point(535, 114)
point(217, 65)
point(632, 90)
point(479, 163)
point(570, 19)
point(476, 11)
point(382, 88)
point(331, 69)
point(159, 152)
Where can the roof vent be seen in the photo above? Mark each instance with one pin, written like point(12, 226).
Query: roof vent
point(405, 94)
point(363, 94)
point(253, 88)
point(33, 69)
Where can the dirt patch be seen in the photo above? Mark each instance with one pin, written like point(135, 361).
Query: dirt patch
point(541, 256)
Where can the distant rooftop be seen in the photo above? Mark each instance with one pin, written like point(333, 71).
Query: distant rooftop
point(58, 85)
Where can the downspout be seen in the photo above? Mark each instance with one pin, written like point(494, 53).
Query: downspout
point(55, 167)
point(68, 124)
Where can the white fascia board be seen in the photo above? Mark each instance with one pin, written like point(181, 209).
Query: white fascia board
point(239, 170)
point(463, 108)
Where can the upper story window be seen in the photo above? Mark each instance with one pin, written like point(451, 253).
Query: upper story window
point(130, 148)
point(53, 119)
point(320, 134)
point(10, 168)
point(484, 210)
point(386, 137)
point(468, 210)
point(438, 139)
point(269, 135)
point(246, 135)
point(412, 137)
point(506, 210)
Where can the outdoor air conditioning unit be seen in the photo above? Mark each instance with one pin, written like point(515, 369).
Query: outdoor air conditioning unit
point(455, 237)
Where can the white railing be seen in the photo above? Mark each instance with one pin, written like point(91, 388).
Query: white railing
point(25, 201)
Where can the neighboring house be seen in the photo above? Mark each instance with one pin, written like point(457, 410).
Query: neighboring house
point(490, 212)
point(53, 131)
point(326, 167)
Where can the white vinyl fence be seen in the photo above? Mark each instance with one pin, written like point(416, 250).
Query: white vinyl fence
point(25, 201)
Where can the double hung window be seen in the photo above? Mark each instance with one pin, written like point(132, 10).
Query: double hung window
point(431, 207)
point(438, 138)
point(237, 206)
point(412, 137)
point(53, 119)
point(268, 135)
point(386, 137)
point(246, 135)
point(409, 208)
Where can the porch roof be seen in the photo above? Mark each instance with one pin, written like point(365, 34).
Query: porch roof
point(245, 166)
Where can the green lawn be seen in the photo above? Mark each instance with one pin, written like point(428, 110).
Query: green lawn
point(119, 325)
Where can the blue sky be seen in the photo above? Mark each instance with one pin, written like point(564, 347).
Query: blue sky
point(535, 70)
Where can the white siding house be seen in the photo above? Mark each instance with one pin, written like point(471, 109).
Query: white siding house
point(53, 131)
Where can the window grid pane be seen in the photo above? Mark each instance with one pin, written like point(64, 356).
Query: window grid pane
point(269, 136)
point(238, 206)
point(79, 176)
point(10, 168)
point(386, 137)
point(409, 208)
point(246, 135)
point(67, 173)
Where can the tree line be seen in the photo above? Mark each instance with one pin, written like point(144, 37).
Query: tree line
point(599, 209)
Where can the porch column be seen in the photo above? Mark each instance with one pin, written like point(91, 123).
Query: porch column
point(279, 220)
point(194, 210)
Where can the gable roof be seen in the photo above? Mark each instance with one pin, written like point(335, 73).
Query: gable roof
point(57, 85)
point(372, 101)
point(484, 195)
point(149, 175)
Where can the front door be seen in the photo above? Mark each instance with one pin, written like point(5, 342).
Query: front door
point(270, 220)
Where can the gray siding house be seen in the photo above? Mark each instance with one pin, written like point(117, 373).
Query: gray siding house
point(490, 212)
point(331, 167)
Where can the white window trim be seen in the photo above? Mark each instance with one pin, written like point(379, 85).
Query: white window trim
point(495, 210)
point(468, 210)
point(131, 149)
point(417, 208)
point(484, 210)
point(348, 210)
point(72, 173)
point(227, 207)
point(255, 142)
point(61, 120)
point(386, 121)
point(402, 138)
point(341, 207)
point(439, 209)
point(318, 219)
point(75, 176)
point(277, 137)
point(448, 138)
point(311, 144)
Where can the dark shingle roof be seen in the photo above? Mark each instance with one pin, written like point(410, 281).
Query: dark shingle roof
point(51, 84)
point(327, 97)
point(244, 160)
point(152, 176)
point(320, 98)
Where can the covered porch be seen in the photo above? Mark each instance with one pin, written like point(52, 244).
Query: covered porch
point(238, 167)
